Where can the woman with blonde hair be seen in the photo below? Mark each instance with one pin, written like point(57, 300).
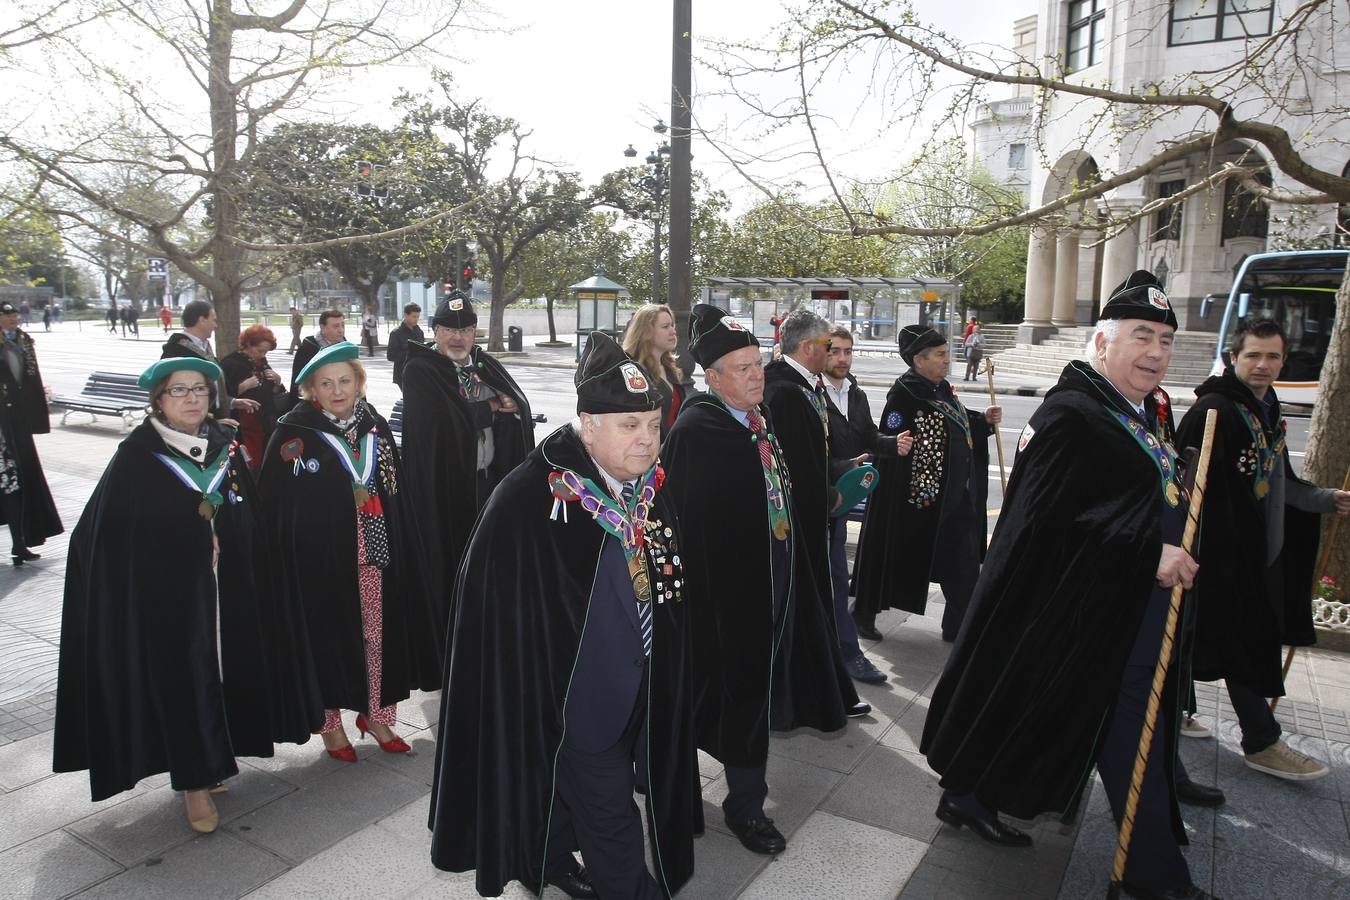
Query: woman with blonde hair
point(651, 339)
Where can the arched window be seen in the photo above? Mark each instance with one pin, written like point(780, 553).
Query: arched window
point(1244, 213)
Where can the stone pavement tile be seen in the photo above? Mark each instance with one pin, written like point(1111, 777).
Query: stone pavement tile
point(211, 867)
point(1037, 869)
point(830, 855)
point(49, 804)
point(372, 862)
point(26, 761)
point(891, 790)
point(908, 728)
point(1275, 821)
point(1234, 776)
point(29, 664)
point(459, 886)
point(795, 790)
point(327, 810)
point(906, 685)
point(419, 765)
point(1089, 868)
point(1201, 757)
point(930, 882)
point(722, 867)
point(1238, 877)
point(301, 764)
point(421, 710)
point(148, 825)
point(911, 647)
point(839, 750)
point(54, 865)
point(708, 767)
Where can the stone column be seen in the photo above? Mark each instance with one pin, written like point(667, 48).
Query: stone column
point(1040, 287)
point(1066, 279)
point(1120, 259)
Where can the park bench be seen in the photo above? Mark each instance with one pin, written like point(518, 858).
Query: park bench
point(105, 394)
point(396, 421)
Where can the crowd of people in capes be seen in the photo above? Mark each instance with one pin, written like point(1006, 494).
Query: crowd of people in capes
point(317, 569)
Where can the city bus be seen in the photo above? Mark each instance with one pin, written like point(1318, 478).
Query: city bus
point(1296, 289)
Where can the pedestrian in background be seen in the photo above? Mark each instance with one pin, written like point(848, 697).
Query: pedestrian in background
point(24, 312)
point(974, 351)
point(651, 339)
point(248, 375)
point(112, 317)
point(165, 317)
point(346, 551)
point(408, 331)
point(370, 329)
point(46, 318)
point(25, 500)
point(167, 547)
point(297, 325)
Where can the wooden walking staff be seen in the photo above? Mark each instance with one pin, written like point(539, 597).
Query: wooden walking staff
point(1318, 572)
point(993, 401)
point(1160, 670)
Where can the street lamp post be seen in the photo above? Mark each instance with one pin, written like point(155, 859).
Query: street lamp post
point(655, 184)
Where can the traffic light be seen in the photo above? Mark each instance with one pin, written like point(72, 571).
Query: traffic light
point(364, 172)
point(466, 276)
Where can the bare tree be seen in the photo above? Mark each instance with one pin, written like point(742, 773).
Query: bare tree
point(247, 70)
point(918, 80)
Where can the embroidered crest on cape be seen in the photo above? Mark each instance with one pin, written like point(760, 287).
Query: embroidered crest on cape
point(894, 420)
point(1025, 437)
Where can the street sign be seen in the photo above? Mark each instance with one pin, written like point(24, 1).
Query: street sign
point(156, 268)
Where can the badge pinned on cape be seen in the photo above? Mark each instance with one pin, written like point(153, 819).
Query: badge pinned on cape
point(894, 420)
point(1025, 437)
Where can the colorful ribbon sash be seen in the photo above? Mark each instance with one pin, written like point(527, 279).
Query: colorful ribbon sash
point(205, 481)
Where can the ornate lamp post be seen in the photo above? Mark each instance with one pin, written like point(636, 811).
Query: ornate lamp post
point(655, 184)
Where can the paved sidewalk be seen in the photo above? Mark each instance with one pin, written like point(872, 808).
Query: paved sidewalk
point(857, 806)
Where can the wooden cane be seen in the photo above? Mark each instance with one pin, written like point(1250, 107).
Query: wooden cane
point(1322, 560)
point(1164, 661)
point(998, 444)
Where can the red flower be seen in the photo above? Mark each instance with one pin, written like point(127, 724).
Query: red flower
point(660, 477)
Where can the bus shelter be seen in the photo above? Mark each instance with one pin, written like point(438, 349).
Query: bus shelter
point(873, 308)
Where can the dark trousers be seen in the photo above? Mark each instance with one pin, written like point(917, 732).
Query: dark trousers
point(848, 632)
point(1259, 728)
point(13, 507)
point(594, 812)
point(747, 789)
point(369, 338)
point(957, 569)
point(295, 340)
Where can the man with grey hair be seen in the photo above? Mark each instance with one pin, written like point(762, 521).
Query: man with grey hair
point(1053, 669)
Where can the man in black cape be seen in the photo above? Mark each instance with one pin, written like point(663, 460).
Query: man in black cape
point(407, 332)
point(1053, 668)
point(25, 500)
point(794, 394)
point(926, 520)
point(199, 323)
point(1258, 544)
point(570, 663)
point(763, 648)
point(466, 424)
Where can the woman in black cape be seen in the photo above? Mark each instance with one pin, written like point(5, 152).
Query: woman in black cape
point(174, 655)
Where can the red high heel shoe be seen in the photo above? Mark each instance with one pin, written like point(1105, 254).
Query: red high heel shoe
point(343, 754)
point(395, 744)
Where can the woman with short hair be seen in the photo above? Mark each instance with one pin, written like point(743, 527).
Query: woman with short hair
point(651, 339)
point(345, 548)
point(248, 375)
point(175, 655)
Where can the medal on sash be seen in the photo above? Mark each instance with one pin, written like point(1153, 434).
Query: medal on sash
point(629, 526)
point(956, 414)
point(1265, 453)
point(204, 482)
point(360, 464)
point(1162, 454)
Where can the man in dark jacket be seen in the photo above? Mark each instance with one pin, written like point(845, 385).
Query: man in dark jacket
point(407, 330)
point(852, 434)
point(199, 323)
point(25, 500)
point(332, 330)
point(1258, 542)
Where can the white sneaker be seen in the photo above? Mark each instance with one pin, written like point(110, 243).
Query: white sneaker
point(1283, 761)
point(1192, 727)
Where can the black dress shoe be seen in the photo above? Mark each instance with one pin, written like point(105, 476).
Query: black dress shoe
point(759, 836)
point(867, 630)
point(1190, 892)
point(1193, 794)
point(859, 709)
point(573, 884)
point(992, 830)
point(860, 668)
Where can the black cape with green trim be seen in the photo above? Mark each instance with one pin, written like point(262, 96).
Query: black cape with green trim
point(716, 484)
point(311, 524)
point(138, 688)
point(1027, 692)
point(440, 457)
point(1240, 621)
point(521, 602)
point(898, 545)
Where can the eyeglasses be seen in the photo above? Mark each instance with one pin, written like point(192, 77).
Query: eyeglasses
point(179, 391)
point(820, 342)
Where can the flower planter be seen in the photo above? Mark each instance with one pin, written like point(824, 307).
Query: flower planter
point(1332, 621)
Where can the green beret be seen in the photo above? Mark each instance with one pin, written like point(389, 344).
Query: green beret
point(163, 368)
point(342, 351)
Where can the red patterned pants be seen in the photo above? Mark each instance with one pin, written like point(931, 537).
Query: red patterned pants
point(371, 621)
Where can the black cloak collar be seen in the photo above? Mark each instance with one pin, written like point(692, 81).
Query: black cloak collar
point(1230, 386)
point(307, 415)
point(1081, 377)
point(923, 389)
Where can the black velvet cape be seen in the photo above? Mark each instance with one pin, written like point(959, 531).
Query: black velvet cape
point(1239, 625)
point(138, 689)
point(898, 545)
point(23, 413)
point(440, 458)
point(311, 524)
point(1030, 685)
point(813, 472)
point(521, 602)
point(751, 673)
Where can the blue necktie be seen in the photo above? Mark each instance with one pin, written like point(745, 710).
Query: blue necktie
point(644, 609)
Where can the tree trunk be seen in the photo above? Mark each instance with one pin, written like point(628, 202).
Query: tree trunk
point(226, 256)
point(1328, 456)
point(498, 316)
point(552, 329)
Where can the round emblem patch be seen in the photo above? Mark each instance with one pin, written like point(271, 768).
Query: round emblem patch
point(894, 420)
point(1157, 298)
point(729, 322)
point(292, 449)
point(633, 379)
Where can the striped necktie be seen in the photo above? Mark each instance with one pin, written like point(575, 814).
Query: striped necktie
point(644, 610)
point(757, 428)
